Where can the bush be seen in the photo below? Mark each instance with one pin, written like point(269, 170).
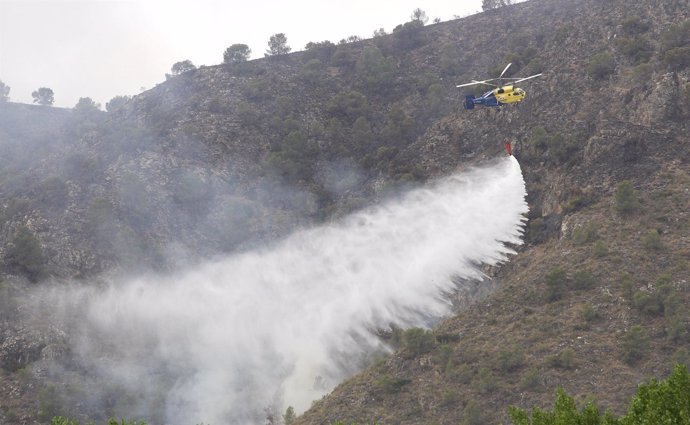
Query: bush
point(375, 71)
point(348, 106)
point(390, 385)
point(635, 345)
point(648, 303)
point(408, 36)
point(322, 51)
point(652, 241)
point(637, 49)
point(510, 359)
point(633, 25)
point(585, 234)
point(589, 314)
point(565, 412)
point(626, 198)
point(485, 381)
point(532, 380)
point(25, 253)
point(600, 250)
point(556, 282)
point(312, 72)
point(674, 46)
point(473, 414)
point(583, 279)
point(601, 66)
point(628, 286)
point(662, 402)
point(237, 53)
point(295, 159)
point(418, 341)
point(656, 402)
point(400, 128)
point(563, 360)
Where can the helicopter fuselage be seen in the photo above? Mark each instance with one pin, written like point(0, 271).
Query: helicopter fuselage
point(496, 97)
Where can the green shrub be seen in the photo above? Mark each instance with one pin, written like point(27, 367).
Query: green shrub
point(589, 314)
point(583, 279)
point(485, 382)
point(473, 414)
point(585, 234)
point(660, 402)
point(400, 127)
point(348, 106)
point(49, 402)
point(53, 192)
point(633, 25)
point(634, 345)
point(681, 357)
point(409, 35)
point(601, 65)
point(418, 341)
point(563, 360)
point(652, 241)
point(374, 70)
point(8, 304)
point(575, 203)
point(248, 115)
point(289, 416)
point(25, 254)
point(312, 72)
point(657, 402)
point(322, 51)
point(390, 385)
point(556, 282)
point(540, 137)
point(675, 51)
point(626, 198)
point(450, 398)
point(532, 379)
point(600, 250)
point(565, 412)
point(648, 303)
point(295, 159)
point(637, 48)
point(509, 360)
point(628, 286)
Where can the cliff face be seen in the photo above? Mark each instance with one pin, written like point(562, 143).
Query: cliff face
point(230, 156)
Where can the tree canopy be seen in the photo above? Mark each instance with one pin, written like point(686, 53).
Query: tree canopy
point(4, 92)
point(182, 67)
point(237, 53)
point(116, 102)
point(277, 45)
point(494, 4)
point(43, 96)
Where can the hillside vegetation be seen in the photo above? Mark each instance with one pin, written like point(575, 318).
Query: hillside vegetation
point(227, 157)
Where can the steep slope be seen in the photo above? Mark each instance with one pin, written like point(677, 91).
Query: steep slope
point(231, 156)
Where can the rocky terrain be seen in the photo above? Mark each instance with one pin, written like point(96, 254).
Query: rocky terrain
point(228, 157)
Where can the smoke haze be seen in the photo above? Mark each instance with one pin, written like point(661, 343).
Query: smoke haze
point(283, 325)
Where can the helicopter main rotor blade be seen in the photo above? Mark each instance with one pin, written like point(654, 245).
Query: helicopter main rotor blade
point(527, 78)
point(504, 71)
point(474, 83)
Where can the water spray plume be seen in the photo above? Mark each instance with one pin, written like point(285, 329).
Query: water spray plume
point(232, 336)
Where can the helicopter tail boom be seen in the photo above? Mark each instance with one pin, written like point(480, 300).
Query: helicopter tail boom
point(469, 102)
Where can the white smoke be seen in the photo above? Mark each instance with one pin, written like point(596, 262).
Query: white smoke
point(237, 334)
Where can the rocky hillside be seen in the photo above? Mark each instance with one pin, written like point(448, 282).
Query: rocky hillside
point(230, 156)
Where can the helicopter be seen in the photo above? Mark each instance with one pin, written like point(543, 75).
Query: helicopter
point(501, 95)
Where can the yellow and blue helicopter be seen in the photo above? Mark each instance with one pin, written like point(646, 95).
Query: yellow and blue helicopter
point(503, 93)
